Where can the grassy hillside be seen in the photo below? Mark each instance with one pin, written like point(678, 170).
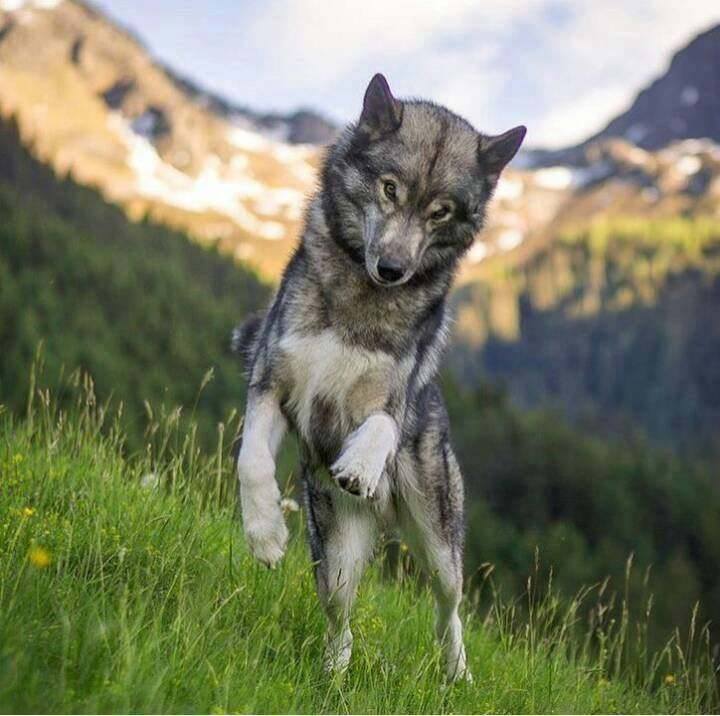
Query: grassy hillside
point(147, 312)
point(119, 596)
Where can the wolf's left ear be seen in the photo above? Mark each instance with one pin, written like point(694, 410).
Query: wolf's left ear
point(495, 152)
point(381, 113)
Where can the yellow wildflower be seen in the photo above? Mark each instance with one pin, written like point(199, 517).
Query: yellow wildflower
point(17, 458)
point(669, 679)
point(403, 547)
point(39, 557)
point(28, 511)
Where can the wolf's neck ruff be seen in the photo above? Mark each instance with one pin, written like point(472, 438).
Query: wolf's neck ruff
point(364, 314)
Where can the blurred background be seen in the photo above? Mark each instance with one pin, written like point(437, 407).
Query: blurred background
point(155, 159)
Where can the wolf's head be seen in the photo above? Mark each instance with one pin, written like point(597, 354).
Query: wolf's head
point(405, 188)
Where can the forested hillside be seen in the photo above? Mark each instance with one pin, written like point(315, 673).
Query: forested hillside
point(615, 323)
point(586, 505)
point(146, 312)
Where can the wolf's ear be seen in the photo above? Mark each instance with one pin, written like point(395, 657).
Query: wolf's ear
point(381, 113)
point(495, 152)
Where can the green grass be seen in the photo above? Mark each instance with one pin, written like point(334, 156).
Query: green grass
point(116, 597)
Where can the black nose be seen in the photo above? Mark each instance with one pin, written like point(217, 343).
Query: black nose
point(389, 272)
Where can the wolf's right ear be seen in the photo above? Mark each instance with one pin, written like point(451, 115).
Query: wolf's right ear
point(381, 113)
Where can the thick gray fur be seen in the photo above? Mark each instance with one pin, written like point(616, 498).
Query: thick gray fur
point(347, 356)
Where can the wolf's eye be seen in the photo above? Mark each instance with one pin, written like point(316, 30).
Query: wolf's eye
point(390, 189)
point(440, 214)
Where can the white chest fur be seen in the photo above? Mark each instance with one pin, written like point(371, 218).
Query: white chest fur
point(321, 366)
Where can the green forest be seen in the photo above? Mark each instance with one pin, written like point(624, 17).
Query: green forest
point(143, 310)
point(614, 323)
point(148, 314)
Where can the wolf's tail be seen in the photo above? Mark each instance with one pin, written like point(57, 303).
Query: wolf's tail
point(244, 338)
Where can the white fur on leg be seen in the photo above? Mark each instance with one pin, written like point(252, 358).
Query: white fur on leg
point(263, 522)
point(449, 632)
point(366, 451)
point(347, 551)
point(260, 497)
point(436, 558)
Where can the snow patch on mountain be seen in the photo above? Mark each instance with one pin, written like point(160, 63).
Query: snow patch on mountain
point(228, 189)
point(248, 140)
point(556, 178)
point(689, 165)
point(509, 188)
point(562, 178)
point(691, 147)
point(294, 156)
point(477, 253)
point(509, 239)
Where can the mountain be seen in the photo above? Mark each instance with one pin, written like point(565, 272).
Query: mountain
point(304, 126)
point(683, 103)
point(600, 292)
point(91, 102)
point(670, 168)
point(533, 207)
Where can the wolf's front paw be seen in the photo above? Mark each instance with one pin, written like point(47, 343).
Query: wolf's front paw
point(357, 474)
point(361, 464)
point(264, 526)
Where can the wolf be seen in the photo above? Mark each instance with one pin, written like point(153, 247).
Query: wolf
point(348, 352)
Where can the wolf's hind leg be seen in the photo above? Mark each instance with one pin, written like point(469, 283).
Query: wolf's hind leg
point(431, 521)
point(342, 536)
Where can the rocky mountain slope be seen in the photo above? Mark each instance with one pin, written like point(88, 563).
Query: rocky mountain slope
point(532, 207)
point(683, 103)
point(91, 101)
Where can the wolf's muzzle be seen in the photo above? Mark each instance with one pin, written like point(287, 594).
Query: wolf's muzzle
point(390, 272)
point(386, 272)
